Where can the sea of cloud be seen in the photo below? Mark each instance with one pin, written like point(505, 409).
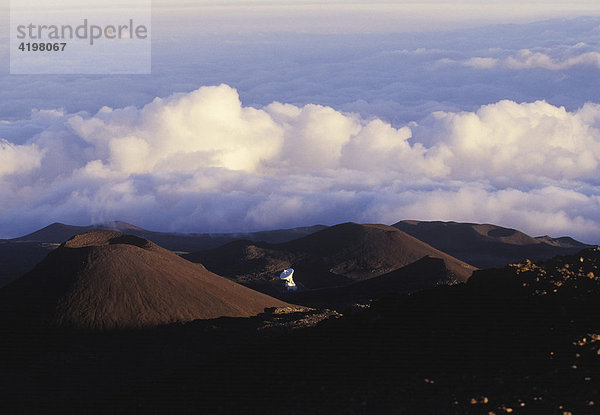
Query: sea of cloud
point(499, 124)
point(204, 161)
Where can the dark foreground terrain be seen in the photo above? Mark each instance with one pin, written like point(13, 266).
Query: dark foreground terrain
point(523, 339)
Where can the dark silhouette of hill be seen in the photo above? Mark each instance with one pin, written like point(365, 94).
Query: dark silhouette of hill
point(186, 242)
point(487, 246)
point(17, 258)
point(103, 280)
point(336, 256)
point(59, 232)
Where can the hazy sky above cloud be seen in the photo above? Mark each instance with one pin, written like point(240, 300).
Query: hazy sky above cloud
point(348, 16)
point(357, 112)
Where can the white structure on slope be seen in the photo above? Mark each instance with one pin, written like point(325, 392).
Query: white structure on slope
point(287, 277)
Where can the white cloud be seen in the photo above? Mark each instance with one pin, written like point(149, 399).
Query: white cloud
point(314, 136)
point(519, 143)
point(209, 128)
point(378, 144)
point(185, 132)
point(526, 59)
point(18, 159)
point(481, 63)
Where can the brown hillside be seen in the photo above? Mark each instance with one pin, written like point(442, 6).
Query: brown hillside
point(105, 280)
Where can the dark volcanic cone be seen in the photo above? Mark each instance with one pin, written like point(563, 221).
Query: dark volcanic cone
point(364, 251)
point(103, 280)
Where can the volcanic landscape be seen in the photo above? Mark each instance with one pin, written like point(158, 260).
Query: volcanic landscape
point(410, 318)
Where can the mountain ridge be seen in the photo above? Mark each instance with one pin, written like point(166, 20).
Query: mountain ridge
point(487, 245)
point(59, 232)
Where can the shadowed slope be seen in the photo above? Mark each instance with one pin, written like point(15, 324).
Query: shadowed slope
point(425, 273)
point(485, 245)
point(105, 280)
point(17, 258)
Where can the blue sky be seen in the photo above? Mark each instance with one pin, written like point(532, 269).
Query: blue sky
point(260, 116)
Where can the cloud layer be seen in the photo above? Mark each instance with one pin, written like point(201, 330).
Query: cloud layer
point(203, 161)
point(492, 124)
